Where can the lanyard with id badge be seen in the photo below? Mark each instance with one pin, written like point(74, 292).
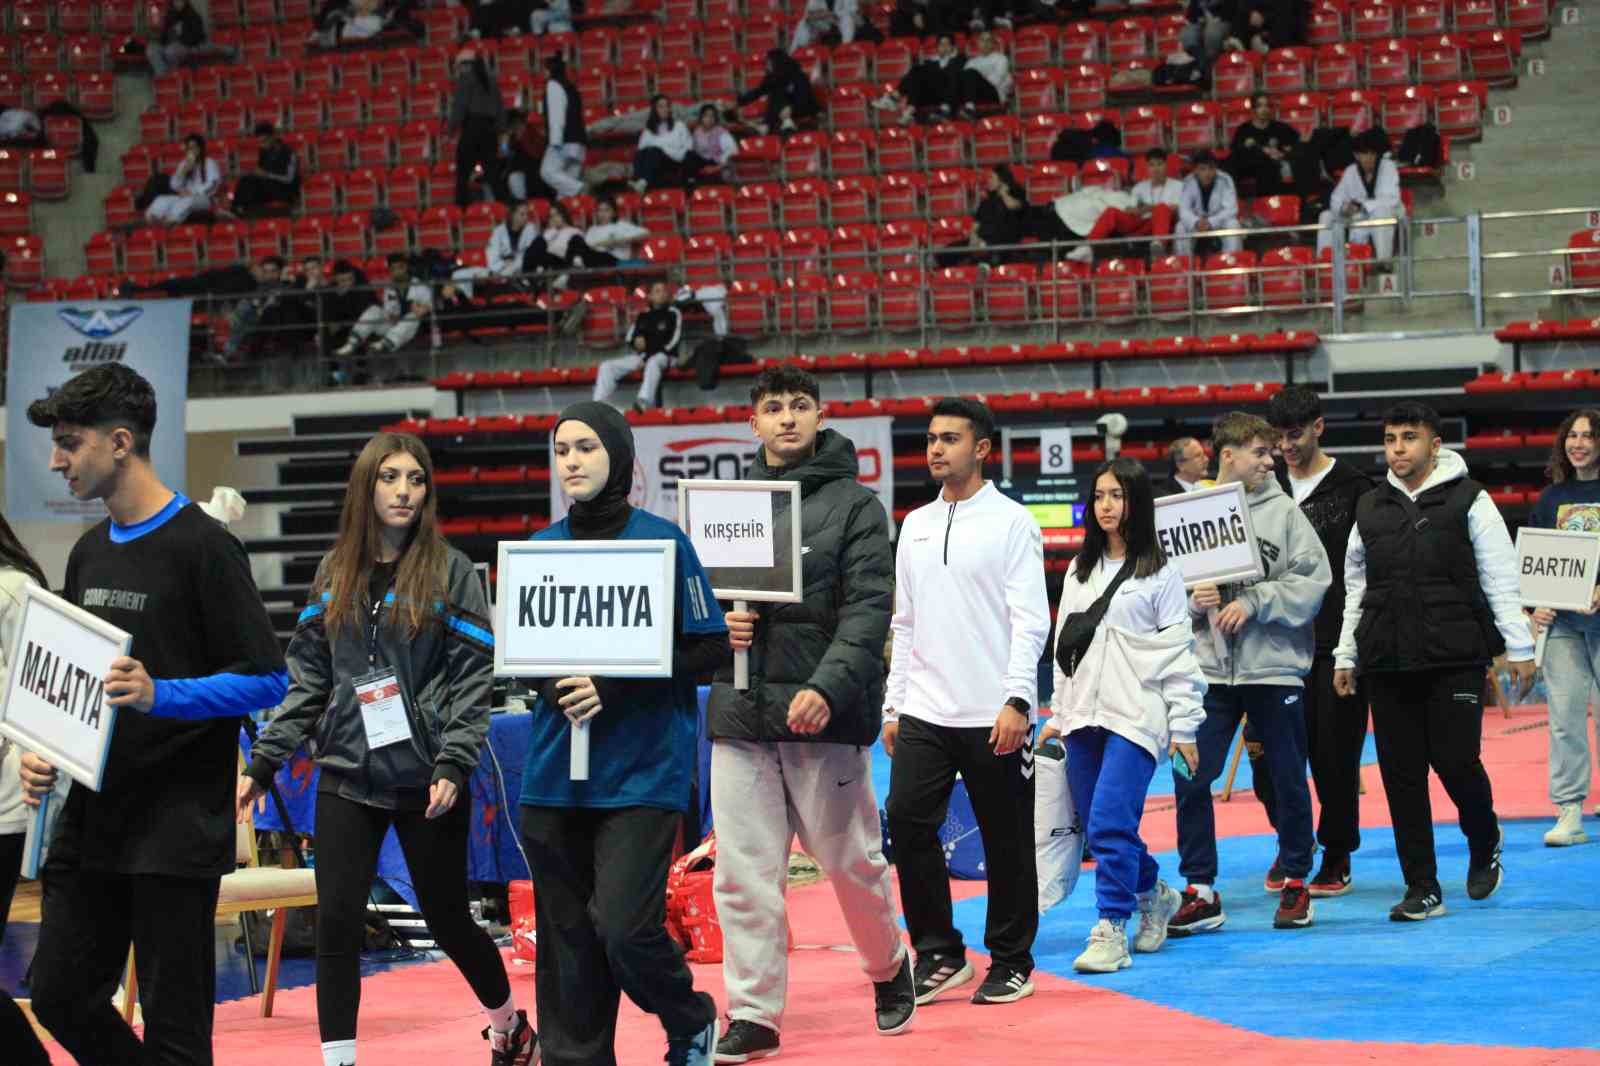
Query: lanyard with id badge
point(378, 693)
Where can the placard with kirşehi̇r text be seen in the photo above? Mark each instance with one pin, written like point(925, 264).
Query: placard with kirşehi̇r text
point(1557, 568)
point(1208, 534)
point(746, 535)
point(585, 608)
point(55, 699)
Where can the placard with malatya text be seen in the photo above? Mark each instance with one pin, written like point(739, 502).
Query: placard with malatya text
point(55, 700)
point(1207, 533)
point(1557, 568)
point(585, 608)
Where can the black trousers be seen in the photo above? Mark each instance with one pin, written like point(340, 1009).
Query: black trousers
point(600, 903)
point(89, 920)
point(922, 774)
point(10, 870)
point(975, 89)
point(1432, 718)
point(254, 192)
point(349, 835)
point(1336, 731)
point(22, 1048)
point(479, 146)
point(930, 85)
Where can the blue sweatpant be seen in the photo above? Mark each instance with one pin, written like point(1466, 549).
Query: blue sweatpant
point(1109, 777)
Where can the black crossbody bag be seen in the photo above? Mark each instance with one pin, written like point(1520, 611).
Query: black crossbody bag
point(1078, 628)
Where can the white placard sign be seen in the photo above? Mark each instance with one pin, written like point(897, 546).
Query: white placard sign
point(577, 608)
point(55, 700)
point(1557, 568)
point(1207, 533)
point(1055, 450)
point(730, 527)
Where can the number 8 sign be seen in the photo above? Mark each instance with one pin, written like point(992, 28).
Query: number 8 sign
point(1055, 451)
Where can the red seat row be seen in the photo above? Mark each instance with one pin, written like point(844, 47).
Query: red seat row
point(95, 94)
point(1535, 381)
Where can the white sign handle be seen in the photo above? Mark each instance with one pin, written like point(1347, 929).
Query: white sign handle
point(1217, 639)
point(580, 751)
point(741, 659)
point(1538, 647)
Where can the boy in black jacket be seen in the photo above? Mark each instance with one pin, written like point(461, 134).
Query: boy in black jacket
point(653, 339)
point(1336, 726)
point(791, 754)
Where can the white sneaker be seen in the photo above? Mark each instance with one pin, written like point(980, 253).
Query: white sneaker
point(1156, 909)
point(1568, 829)
point(887, 102)
point(1107, 951)
point(639, 185)
point(1081, 254)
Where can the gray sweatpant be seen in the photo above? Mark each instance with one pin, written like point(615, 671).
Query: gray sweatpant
point(1571, 668)
point(762, 795)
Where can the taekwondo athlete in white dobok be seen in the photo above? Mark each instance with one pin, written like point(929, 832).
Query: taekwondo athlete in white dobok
point(971, 618)
point(1208, 202)
point(503, 255)
point(1369, 189)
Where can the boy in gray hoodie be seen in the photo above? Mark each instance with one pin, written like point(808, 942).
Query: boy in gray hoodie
point(1267, 626)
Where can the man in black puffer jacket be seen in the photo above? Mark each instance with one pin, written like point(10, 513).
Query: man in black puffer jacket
point(791, 755)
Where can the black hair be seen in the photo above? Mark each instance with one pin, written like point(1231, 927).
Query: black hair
point(1204, 155)
point(272, 260)
point(1412, 413)
point(1257, 97)
point(196, 139)
point(1138, 523)
point(785, 378)
point(266, 129)
point(1152, 154)
point(14, 553)
point(656, 124)
point(1372, 140)
point(106, 397)
point(343, 266)
point(312, 258)
point(397, 257)
point(1295, 406)
point(711, 108)
point(974, 411)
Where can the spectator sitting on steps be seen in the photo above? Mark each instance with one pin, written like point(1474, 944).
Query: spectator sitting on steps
point(653, 342)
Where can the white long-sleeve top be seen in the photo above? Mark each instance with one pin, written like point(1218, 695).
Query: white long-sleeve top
point(971, 615)
point(675, 140)
point(1147, 195)
point(555, 113)
point(556, 239)
point(616, 238)
point(504, 254)
point(199, 183)
point(14, 814)
point(1139, 677)
point(995, 69)
point(1223, 211)
point(1491, 548)
point(1383, 202)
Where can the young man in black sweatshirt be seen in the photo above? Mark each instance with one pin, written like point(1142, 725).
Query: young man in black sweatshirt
point(140, 860)
point(653, 342)
point(1336, 726)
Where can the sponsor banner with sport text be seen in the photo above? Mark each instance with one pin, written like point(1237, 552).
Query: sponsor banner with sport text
point(664, 454)
point(51, 342)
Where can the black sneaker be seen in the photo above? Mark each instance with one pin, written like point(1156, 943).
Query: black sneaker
point(1418, 906)
point(1003, 985)
point(895, 1000)
point(1333, 879)
point(1294, 907)
point(1484, 880)
point(1275, 878)
point(1196, 915)
point(936, 975)
point(520, 1047)
point(747, 1042)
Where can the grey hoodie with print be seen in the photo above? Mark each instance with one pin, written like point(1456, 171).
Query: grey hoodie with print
point(1276, 645)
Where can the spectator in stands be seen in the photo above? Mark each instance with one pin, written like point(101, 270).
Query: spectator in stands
point(653, 342)
point(274, 180)
point(551, 16)
point(1270, 24)
point(1368, 190)
point(392, 322)
point(611, 241)
point(308, 310)
point(986, 78)
point(1261, 150)
point(256, 309)
point(1209, 25)
point(911, 18)
point(822, 18)
point(341, 306)
point(787, 89)
point(1187, 458)
point(711, 159)
point(350, 20)
point(566, 139)
point(19, 126)
point(509, 254)
point(561, 239)
point(1151, 213)
point(1208, 202)
point(664, 145)
point(998, 222)
point(477, 112)
point(517, 168)
point(181, 39)
point(933, 84)
point(496, 18)
point(191, 186)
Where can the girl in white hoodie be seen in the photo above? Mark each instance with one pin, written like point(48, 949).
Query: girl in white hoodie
point(17, 569)
point(1128, 691)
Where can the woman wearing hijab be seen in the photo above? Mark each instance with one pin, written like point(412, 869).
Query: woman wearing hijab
point(600, 849)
